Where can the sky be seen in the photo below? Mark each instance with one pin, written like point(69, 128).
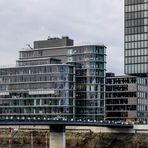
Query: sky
point(85, 21)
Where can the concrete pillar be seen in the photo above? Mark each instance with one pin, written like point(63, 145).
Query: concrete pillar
point(10, 137)
point(57, 136)
point(31, 138)
point(46, 140)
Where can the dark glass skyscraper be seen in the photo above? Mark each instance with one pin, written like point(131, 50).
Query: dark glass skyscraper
point(136, 37)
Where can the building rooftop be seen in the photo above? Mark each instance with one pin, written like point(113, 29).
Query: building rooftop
point(53, 42)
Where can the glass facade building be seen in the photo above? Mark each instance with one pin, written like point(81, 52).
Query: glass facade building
point(37, 92)
point(55, 83)
point(136, 37)
point(90, 64)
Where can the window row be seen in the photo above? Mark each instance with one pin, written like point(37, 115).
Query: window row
point(39, 110)
point(121, 107)
point(36, 102)
point(84, 80)
point(142, 81)
point(37, 70)
point(121, 80)
point(92, 95)
point(87, 103)
point(141, 108)
point(135, 15)
point(143, 88)
point(136, 22)
point(136, 68)
point(134, 60)
point(120, 94)
point(139, 44)
point(136, 37)
point(144, 100)
point(37, 78)
point(117, 88)
point(86, 57)
point(116, 114)
point(88, 111)
point(137, 52)
point(136, 30)
point(39, 86)
point(116, 101)
point(88, 88)
point(82, 50)
point(138, 7)
point(132, 2)
point(29, 54)
point(39, 62)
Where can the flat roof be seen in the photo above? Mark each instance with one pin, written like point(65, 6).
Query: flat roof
point(50, 48)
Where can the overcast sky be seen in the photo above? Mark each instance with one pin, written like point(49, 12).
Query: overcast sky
point(23, 21)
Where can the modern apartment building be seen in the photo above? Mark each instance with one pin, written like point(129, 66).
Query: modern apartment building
point(90, 68)
point(126, 98)
point(37, 92)
point(43, 49)
point(55, 80)
point(136, 37)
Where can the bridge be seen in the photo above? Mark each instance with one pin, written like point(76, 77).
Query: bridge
point(65, 123)
point(57, 127)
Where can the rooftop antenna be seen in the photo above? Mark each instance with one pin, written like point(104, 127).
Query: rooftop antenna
point(29, 46)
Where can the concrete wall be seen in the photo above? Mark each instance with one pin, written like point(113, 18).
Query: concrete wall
point(143, 128)
point(100, 129)
point(140, 128)
point(57, 140)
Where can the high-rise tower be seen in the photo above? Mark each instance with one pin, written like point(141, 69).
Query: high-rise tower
point(136, 37)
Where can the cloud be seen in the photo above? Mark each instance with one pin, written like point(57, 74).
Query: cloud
point(23, 21)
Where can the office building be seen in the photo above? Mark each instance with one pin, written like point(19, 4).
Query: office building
point(136, 37)
point(126, 98)
point(55, 80)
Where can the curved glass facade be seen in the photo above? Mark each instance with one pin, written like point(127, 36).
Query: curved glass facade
point(90, 71)
point(40, 87)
